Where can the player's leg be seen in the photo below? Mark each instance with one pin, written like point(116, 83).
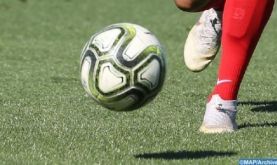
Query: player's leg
point(199, 5)
point(244, 21)
point(203, 40)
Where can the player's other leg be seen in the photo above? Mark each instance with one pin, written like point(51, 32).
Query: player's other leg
point(203, 40)
point(192, 5)
point(244, 21)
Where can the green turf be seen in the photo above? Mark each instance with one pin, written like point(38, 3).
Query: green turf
point(46, 118)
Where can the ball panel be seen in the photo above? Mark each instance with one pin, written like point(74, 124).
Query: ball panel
point(140, 42)
point(105, 40)
point(85, 73)
point(85, 48)
point(129, 99)
point(87, 67)
point(122, 104)
point(135, 47)
point(110, 79)
point(157, 71)
point(145, 53)
point(150, 74)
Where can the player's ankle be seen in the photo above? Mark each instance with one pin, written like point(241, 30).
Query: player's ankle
point(224, 96)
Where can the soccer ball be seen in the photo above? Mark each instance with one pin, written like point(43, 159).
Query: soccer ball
point(123, 66)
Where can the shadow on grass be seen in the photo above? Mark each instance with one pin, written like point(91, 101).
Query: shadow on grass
point(265, 124)
point(261, 106)
point(63, 79)
point(172, 155)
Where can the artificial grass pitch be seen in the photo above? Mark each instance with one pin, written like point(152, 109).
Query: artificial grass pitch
point(47, 119)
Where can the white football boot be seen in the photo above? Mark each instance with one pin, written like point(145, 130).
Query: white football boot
point(203, 41)
point(220, 116)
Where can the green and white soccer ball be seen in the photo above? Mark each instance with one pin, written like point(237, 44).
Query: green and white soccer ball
point(123, 66)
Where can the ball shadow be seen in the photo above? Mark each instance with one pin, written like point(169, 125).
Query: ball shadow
point(174, 155)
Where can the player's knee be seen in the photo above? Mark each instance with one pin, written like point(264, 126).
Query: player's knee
point(188, 5)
